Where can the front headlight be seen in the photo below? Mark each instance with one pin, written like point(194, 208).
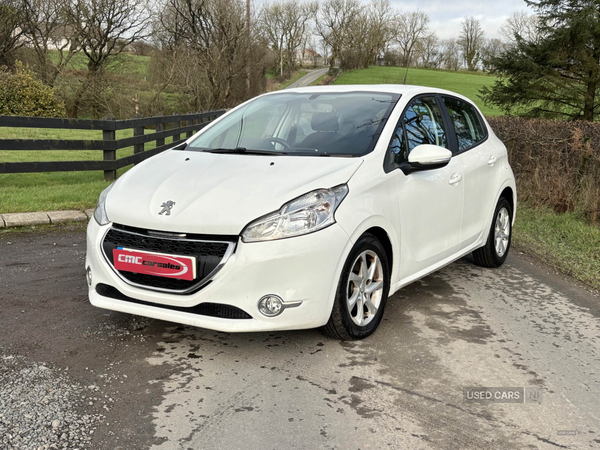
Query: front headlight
point(100, 211)
point(310, 212)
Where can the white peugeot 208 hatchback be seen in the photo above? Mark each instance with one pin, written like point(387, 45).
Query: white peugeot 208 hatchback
point(304, 208)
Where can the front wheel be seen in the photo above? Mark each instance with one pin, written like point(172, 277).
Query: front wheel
point(362, 291)
point(495, 250)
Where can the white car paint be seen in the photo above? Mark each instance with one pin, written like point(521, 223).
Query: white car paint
point(431, 218)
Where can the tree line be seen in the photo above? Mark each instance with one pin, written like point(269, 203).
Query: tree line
point(207, 54)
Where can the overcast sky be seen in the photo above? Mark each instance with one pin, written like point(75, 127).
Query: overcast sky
point(446, 15)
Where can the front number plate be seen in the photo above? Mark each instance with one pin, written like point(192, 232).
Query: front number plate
point(157, 264)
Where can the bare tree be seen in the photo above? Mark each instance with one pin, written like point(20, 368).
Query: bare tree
point(11, 31)
point(214, 32)
point(450, 54)
point(367, 35)
point(298, 17)
point(334, 19)
point(381, 17)
point(166, 62)
point(429, 52)
point(324, 49)
point(45, 27)
point(105, 28)
point(285, 28)
point(521, 25)
point(411, 28)
point(273, 30)
point(471, 41)
point(491, 49)
point(354, 52)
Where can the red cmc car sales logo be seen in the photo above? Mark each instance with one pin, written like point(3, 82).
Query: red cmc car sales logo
point(157, 264)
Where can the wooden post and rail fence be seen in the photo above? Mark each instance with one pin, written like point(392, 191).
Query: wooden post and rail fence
point(165, 126)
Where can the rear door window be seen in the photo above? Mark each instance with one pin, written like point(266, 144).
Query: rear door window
point(467, 123)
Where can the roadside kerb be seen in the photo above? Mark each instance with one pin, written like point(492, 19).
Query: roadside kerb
point(67, 216)
point(26, 219)
point(43, 218)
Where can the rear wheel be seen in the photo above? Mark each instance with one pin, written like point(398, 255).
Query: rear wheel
point(362, 291)
point(495, 250)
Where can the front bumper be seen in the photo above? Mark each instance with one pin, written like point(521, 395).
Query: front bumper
point(305, 268)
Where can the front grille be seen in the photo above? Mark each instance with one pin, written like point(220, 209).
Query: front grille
point(203, 309)
point(209, 253)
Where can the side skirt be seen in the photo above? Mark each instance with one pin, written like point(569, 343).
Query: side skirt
point(406, 281)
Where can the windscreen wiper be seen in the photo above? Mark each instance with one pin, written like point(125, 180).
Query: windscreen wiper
point(335, 155)
point(243, 151)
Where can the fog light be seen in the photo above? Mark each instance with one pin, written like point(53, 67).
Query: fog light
point(88, 274)
point(270, 305)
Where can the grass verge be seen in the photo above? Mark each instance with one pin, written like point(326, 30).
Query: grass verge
point(465, 83)
point(564, 241)
point(318, 80)
point(295, 77)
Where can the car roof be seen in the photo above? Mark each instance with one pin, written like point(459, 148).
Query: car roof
point(403, 89)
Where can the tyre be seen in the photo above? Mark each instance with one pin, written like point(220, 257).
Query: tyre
point(495, 250)
point(362, 291)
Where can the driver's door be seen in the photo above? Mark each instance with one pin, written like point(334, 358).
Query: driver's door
point(430, 201)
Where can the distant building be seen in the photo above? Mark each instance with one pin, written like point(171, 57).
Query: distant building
point(59, 39)
point(62, 37)
point(308, 57)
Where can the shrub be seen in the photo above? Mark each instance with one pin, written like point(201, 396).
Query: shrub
point(556, 163)
point(21, 94)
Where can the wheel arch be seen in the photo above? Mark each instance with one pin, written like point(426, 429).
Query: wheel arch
point(382, 229)
point(507, 190)
point(509, 195)
point(383, 237)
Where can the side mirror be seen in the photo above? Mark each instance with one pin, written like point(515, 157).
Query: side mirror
point(427, 157)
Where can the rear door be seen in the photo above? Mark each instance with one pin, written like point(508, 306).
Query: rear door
point(480, 162)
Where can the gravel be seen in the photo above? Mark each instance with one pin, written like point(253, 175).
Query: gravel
point(41, 407)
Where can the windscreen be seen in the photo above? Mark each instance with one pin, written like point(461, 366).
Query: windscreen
point(334, 124)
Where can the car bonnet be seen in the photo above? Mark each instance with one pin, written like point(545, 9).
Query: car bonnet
point(217, 193)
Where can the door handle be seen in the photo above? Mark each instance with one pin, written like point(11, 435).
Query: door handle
point(492, 160)
point(455, 178)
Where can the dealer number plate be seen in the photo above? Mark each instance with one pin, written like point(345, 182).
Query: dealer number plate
point(157, 264)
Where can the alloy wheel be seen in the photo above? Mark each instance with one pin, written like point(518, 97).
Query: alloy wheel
point(502, 232)
point(365, 288)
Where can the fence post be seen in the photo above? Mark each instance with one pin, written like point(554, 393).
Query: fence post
point(109, 154)
point(190, 133)
point(138, 131)
point(176, 137)
point(160, 127)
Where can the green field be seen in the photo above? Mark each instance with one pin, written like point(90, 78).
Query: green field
point(124, 63)
point(129, 76)
point(464, 83)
